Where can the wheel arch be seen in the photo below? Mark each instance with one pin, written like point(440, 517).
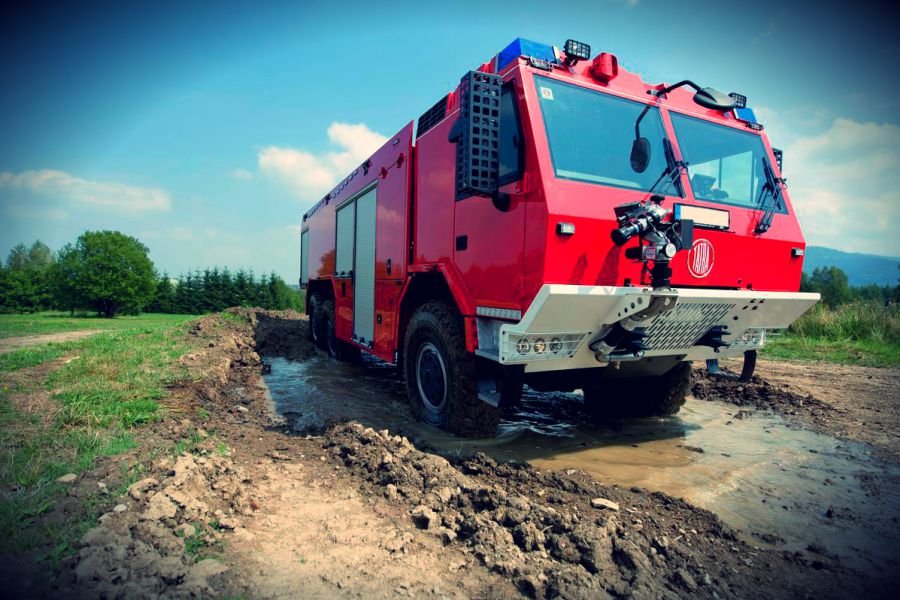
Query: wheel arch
point(322, 287)
point(421, 288)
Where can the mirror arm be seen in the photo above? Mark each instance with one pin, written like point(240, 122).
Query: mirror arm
point(674, 86)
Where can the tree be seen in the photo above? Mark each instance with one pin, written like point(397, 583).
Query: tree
point(832, 283)
point(25, 282)
point(164, 297)
point(107, 271)
point(17, 259)
point(39, 255)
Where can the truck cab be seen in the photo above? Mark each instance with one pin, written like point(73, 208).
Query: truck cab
point(562, 224)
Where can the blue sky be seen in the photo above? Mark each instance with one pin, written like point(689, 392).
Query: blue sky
point(206, 130)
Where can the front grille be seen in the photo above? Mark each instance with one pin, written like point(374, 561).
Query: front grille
point(681, 327)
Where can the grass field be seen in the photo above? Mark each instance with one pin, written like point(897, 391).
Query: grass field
point(855, 334)
point(59, 420)
point(56, 322)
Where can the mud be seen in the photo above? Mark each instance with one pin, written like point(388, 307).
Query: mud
point(759, 394)
point(259, 508)
point(762, 474)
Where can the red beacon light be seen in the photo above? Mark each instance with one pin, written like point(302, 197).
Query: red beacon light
point(605, 67)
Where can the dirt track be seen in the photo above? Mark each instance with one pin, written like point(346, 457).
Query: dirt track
point(15, 343)
point(356, 512)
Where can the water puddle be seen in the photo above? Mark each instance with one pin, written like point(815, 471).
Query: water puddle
point(794, 487)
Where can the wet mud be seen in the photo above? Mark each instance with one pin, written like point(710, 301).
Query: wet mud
point(314, 480)
point(779, 485)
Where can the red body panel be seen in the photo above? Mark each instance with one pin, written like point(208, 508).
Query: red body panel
point(389, 169)
point(500, 259)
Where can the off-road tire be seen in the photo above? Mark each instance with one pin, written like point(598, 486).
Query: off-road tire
point(510, 386)
point(658, 396)
point(335, 348)
point(441, 376)
point(316, 322)
point(749, 366)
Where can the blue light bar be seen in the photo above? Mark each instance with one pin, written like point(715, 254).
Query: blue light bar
point(746, 115)
point(522, 47)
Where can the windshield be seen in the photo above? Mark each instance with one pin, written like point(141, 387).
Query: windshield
point(591, 134)
point(725, 165)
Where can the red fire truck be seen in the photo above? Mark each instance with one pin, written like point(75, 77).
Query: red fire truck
point(558, 222)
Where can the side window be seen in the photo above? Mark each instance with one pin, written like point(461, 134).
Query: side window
point(512, 148)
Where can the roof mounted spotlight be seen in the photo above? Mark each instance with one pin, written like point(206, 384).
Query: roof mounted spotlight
point(740, 100)
point(576, 51)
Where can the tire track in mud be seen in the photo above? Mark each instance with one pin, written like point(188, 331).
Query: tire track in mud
point(506, 528)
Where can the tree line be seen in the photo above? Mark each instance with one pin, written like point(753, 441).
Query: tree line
point(111, 273)
point(832, 283)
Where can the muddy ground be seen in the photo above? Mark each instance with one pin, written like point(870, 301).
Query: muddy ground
point(257, 508)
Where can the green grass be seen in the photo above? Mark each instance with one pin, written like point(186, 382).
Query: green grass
point(196, 546)
point(857, 334)
point(33, 355)
point(57, 322)
point(112, 385)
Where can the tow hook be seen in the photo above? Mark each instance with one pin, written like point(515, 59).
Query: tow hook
point(625, 339)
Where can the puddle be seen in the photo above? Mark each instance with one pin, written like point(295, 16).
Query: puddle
point(757, 473)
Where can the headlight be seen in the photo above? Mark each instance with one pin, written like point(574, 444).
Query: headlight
point(523, 346)
point(540, 346)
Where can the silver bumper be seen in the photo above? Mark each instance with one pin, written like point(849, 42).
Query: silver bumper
point(564, 321)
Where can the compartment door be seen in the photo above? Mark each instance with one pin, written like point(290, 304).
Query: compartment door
point(364, 270)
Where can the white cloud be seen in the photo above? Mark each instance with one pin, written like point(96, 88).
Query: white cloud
point(310, 175)
point(59, 185)
point(242, 174)
point(845, 186)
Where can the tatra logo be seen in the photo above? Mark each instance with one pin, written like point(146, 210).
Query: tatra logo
point(700, 258)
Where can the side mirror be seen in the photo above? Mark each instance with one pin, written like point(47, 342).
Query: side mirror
point(476, 134)
point(714, 99)
point(640, 154)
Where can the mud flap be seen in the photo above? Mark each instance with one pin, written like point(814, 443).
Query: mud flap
point(488, 392)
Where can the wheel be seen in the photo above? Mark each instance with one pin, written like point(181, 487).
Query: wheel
point(747, 368)
point(316, 333)
point(509, 384)
point(336, 348)
point(749, 365)
point(441, 376)
point(661, 395)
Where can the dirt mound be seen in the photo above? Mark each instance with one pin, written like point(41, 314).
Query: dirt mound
point(756, 393)
point(162, 538)
point(278, 333)
point(560, 535)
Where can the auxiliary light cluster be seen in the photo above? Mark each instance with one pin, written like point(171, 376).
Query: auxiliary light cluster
point(541, 346)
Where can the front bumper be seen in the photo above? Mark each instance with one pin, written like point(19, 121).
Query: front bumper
point(564, 321)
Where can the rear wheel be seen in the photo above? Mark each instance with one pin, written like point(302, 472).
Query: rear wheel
point(441, 376)
point(336, 348)
point(316, 331)
point(661, 395)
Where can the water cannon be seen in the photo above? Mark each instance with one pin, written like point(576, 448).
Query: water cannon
point(659, 239)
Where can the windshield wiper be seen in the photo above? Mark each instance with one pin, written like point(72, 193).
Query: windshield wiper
point(772, 188)
point(672, 170)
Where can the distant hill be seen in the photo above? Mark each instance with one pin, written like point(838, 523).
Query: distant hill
point(861, 269)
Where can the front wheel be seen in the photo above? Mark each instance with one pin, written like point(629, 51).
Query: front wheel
point(659, 396)
point(441, 376)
